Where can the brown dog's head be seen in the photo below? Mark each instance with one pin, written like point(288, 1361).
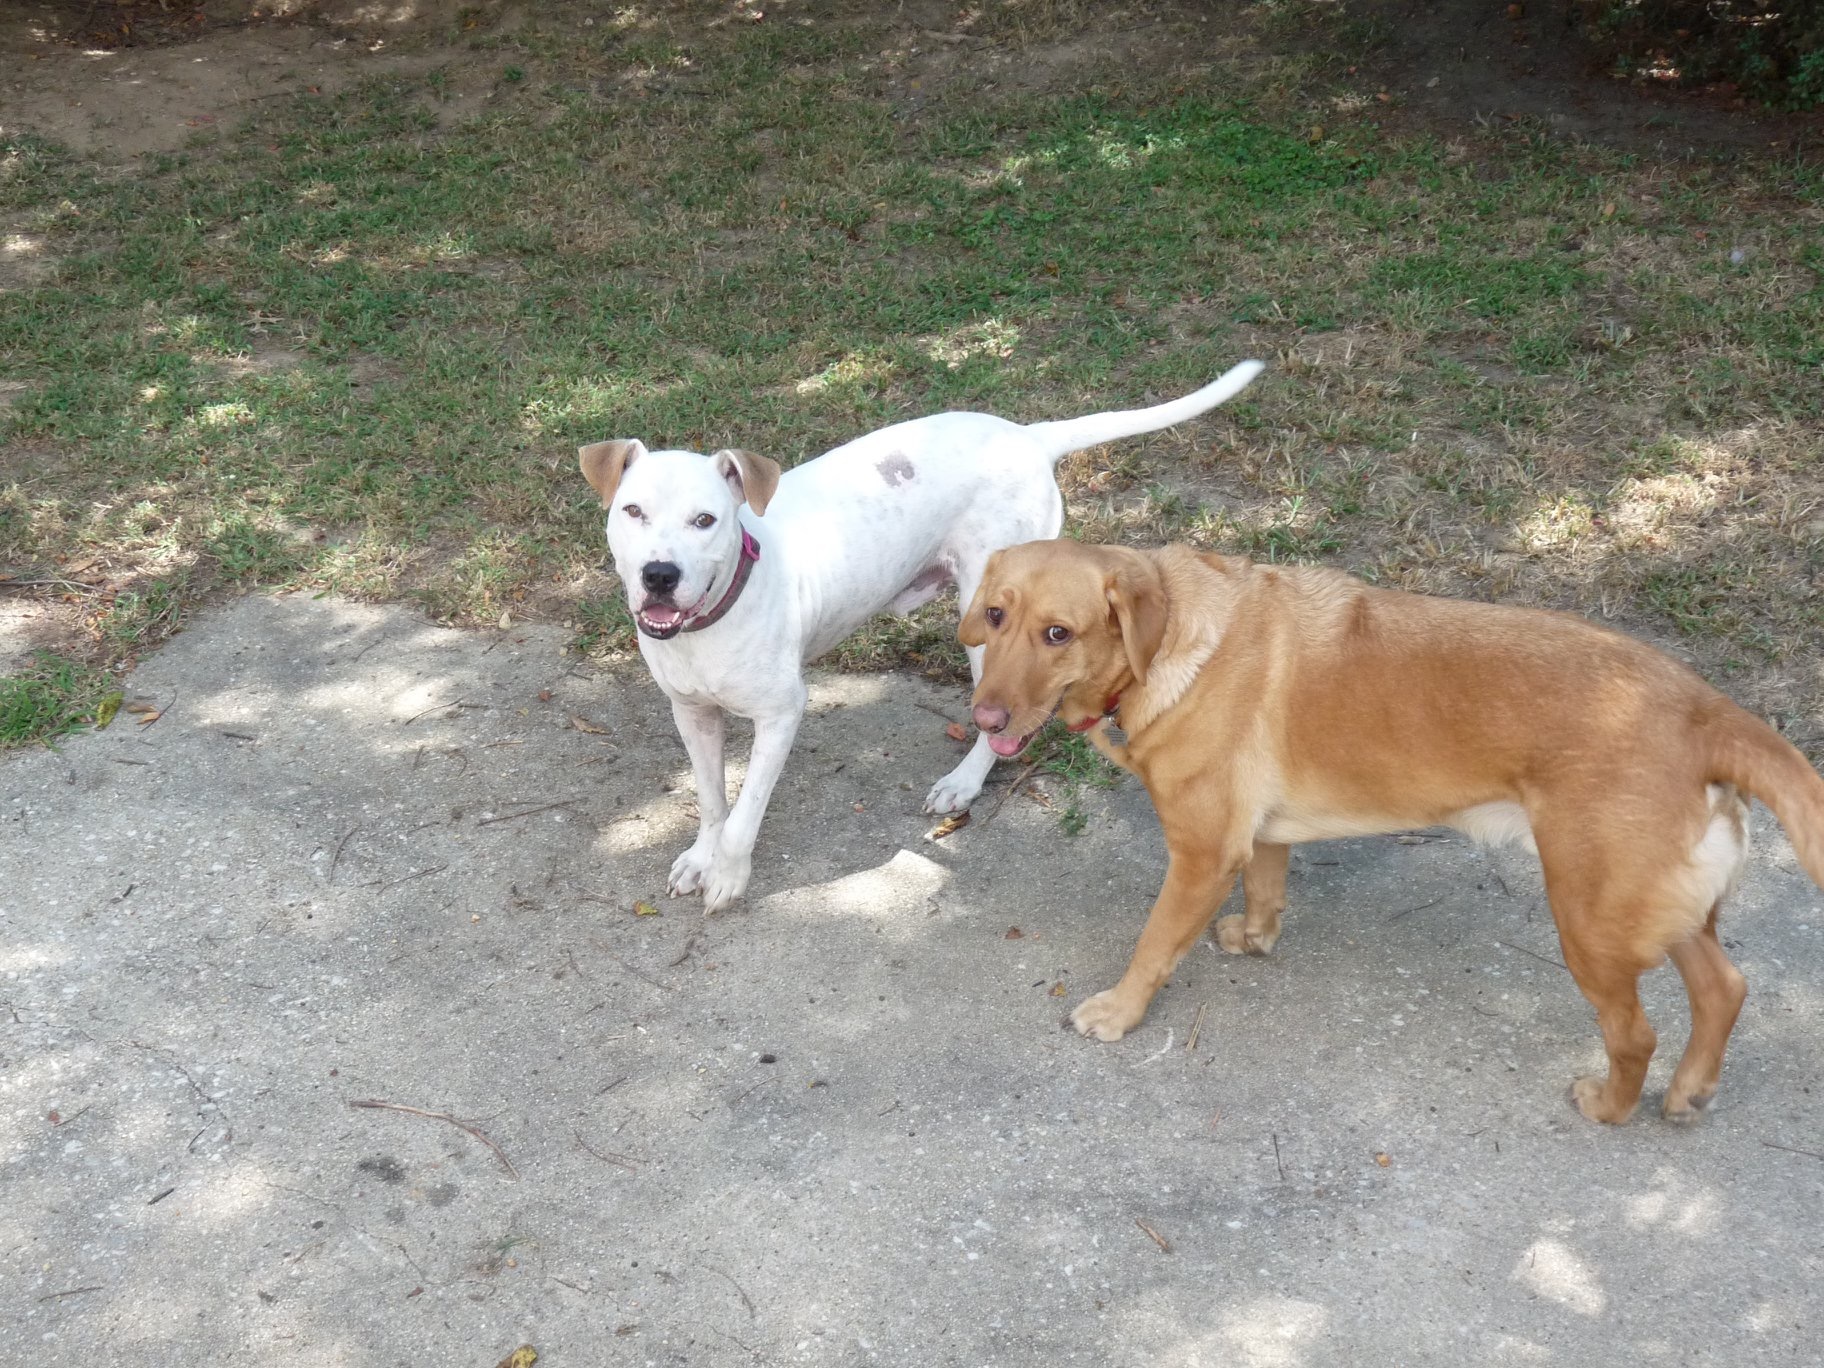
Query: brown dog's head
point(1066, 628)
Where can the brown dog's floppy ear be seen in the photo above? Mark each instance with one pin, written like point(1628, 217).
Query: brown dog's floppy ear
point(753, 478)
point(1136, 595)
point(973, 629)
point(603, 464)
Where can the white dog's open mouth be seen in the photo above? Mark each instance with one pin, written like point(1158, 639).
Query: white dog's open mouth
point(660, 620)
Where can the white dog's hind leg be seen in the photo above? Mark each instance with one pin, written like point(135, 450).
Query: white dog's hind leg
point(733, 862)
point(702, 728)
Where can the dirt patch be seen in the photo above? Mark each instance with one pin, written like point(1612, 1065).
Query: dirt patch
point(124, 79)
point(130, 79)
point(1456, 65)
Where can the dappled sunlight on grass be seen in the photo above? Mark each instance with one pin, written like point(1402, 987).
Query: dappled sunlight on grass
point(992, 339)
point(354, 343)
point(856, 371)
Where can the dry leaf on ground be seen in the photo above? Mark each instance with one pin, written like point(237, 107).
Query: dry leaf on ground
point(955, 822)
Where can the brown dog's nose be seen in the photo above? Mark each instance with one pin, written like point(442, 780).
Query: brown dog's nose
point(990, 719)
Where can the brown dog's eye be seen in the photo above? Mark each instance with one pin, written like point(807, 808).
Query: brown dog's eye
point(632, 510)
point(705, 520)
point(1057, 636)
point(994, 616)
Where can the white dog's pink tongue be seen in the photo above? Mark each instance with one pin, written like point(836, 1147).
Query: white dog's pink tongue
point(661, 614)
point(1006, 745)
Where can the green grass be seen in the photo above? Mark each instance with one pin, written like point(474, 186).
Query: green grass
point(1078, 764)
point(53, 697)
point(351, 344)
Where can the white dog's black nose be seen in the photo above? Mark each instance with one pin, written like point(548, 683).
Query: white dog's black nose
point(660, 577)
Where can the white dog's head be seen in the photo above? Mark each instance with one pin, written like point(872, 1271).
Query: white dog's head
point(672, 523)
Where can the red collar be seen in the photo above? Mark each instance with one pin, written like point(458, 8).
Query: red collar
point(750, 552)
point(1108, 710)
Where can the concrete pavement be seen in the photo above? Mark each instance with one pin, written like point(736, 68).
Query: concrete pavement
point(838, 1125)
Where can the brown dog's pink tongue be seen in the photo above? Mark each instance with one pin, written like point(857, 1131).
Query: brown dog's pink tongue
point(1006, 745)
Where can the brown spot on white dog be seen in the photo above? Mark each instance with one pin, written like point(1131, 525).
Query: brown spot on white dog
point(896, 469)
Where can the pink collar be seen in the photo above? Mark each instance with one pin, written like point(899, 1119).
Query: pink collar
point(750, 552)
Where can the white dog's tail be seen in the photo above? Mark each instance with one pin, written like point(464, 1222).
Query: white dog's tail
point(1077, 433)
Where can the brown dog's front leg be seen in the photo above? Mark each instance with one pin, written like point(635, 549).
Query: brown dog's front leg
point(1195, 882)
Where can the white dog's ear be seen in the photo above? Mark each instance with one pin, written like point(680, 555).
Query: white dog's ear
point(604, 463)
point(753, 478)
point(1136, 597)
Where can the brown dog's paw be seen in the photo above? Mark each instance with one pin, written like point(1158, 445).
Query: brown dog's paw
point(1586, 1095)
point(1105, 1017)
point(1232, 935)
point(1686, 1111)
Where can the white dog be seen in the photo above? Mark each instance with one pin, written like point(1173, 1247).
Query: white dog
point(731, 602)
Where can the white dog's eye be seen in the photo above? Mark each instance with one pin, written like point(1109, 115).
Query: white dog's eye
point(704, 520)
point(1057, 636)
point(632, 510)
point(994, 616)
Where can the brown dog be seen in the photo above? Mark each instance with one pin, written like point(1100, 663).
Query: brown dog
point(1267, 705)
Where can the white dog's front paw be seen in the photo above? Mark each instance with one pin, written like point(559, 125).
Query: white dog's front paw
point(725, 880)
point(954, 792)
point(689, 870)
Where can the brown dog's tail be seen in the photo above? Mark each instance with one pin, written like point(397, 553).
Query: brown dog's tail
point(1746, 752)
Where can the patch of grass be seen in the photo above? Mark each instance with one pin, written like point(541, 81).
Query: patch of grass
point(1069, 755)
point(352, 344)
point(52, 697)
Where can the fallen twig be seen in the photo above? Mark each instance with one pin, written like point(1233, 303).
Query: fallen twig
point(1190, 1046)
point(1809, 1154)
point(77, 1291)
point(374, 1104)
point(7, 582)
point(1543, 959)
point(529, 812)
point(761, 1084)
point(1153, 1235)
point(746, 1300)
point(435, 707)
point(337, 858)
point(1025, 774)
point(618, 1159)
point(153, 718)
point(1277, 1162)
point(1420, 908)
point(642, 974)
point(407, 878)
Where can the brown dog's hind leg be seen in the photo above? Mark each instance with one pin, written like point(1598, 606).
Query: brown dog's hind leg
point(1606, 891)
point(1263, 890)
point(1629, 1039)
point(1717, 990)
point(1195, 881)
